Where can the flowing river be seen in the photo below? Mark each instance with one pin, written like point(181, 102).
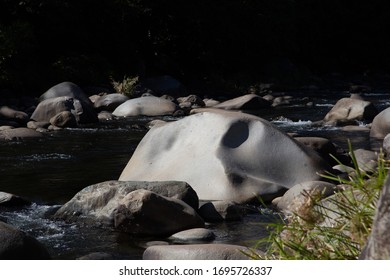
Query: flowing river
point(50, 171)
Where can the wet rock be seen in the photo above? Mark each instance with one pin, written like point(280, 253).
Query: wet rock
point(198, 252)
point(139, 212)
point(105, 116)
point(246, 102)
point(350, 110)
point(223, 156)
point(17, 245)
point(193, 100)
point(145, 106)
point(219, 211)
point(19, 134)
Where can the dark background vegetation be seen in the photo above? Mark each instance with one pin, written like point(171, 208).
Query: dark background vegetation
point(199, 42)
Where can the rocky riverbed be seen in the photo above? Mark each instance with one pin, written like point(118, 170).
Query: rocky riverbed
point(125, 174)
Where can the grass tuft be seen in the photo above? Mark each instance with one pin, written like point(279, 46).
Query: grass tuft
point(333, 228)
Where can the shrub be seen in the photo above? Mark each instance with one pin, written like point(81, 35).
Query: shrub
point(126, 86)
point(333, 228)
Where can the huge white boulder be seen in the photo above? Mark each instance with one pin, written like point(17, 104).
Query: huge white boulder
point(224, 156)
point(145, 106)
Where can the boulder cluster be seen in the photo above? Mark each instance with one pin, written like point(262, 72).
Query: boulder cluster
point(214, 154)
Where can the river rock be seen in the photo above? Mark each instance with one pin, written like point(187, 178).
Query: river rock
point(35, 125)
point(193, 235)
point(68, 89)
point(17, 245)
point(208, 102)
point(7, 113)
point(145, 106)
point(64, 119)
point(245, 102)
point(378, 243)
point(219, 211)
point(350, 110)
point(296, 198)
point(386, 145)
point(367, 160)
point(48, 108)
point(380, 126)
point(11, 200)
point(140, 212)
point(110, 102)
point(96, 196)
point(19, 133)
point(224, 156)
point(198, 252)
point(194, 101)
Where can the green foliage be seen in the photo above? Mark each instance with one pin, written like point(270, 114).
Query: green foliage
point(126, 86)
point(336, 227)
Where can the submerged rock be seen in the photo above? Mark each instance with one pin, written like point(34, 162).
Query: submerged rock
point(19, 133)
point(224, 156)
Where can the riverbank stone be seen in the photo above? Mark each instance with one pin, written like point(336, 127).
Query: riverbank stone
point(17, 245)
point(224, 155)
point(110, 102)
point(198, 252)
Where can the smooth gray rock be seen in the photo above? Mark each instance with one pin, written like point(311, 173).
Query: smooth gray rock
point(350, 110)
point(19, 133)
point(367, 160)
point(145, 106)
point(224, 156)
point(110, 102)
point(193, 235)
point(198, 252)
point(245, 102)
point(17, 245)
point(68, 89)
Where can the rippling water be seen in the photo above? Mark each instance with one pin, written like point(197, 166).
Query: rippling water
point(50, 171)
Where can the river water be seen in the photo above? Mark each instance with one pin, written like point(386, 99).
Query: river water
point(50, 171)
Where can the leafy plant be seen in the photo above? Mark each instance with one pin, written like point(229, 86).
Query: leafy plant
point(126, 86)
point(336, 227)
